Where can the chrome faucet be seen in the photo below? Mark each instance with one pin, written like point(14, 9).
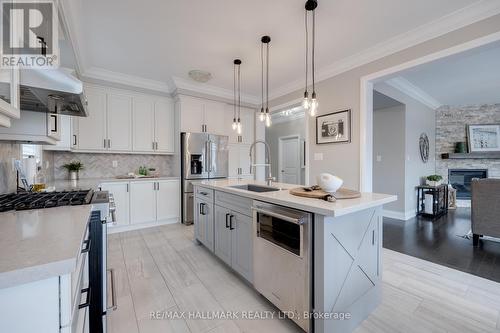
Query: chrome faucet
point(269, 178)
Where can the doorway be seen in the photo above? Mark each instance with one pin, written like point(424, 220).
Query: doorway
point(289, 160)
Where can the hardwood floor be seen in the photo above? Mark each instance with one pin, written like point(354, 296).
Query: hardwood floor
point(162, 269)
point(438, 241)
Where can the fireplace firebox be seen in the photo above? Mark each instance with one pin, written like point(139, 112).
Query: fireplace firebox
point(461, 180)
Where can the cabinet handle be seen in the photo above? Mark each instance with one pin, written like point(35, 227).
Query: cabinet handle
point(153, 145)
point(156, 145)
point(157, 186)
point(127, 187)
point(227, 222)
point(104, 143)
point(55, 123)
point(373, 237)
point(74, 139)
point(87, 301)
point(231, 222)
point(113, 306)
point(109, 143)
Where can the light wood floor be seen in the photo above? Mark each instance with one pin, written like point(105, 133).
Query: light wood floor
point(162, 269)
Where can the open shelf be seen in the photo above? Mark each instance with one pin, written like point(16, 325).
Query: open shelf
point(457, 156)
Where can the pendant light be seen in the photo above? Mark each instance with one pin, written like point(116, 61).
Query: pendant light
point(310, 104)
point(237, 96)
point(264, 112)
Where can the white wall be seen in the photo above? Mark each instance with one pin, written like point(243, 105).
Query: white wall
point(418, 119)
point(343, 91)
point(389, 145)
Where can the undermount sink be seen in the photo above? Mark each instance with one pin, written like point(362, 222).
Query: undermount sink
point(255, 188)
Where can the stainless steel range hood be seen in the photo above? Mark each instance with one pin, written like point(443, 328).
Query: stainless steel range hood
point(52, 91)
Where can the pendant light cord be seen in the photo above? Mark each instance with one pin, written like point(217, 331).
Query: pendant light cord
point(234, 92)
point(313, 47)
point(262, 74)
point(239, 93)
point(267, 79)
point(307, 47)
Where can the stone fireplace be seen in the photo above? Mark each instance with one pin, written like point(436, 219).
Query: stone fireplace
point(461, 180)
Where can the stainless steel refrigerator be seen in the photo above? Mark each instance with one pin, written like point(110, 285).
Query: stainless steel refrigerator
point(203, 156)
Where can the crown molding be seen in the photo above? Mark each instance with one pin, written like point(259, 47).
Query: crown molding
point(184, 85)
point(408, 88)
point(101, 74)
point(278, 118)
point(461, 18)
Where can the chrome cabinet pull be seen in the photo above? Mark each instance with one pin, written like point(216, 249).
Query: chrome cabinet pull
point(104, 144)
point(74, 139)
point(109, 143)
point(113, 306)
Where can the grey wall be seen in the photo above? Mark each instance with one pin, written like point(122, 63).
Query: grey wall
point(343, 91)
point(451, 125)
point(8, 151)
point(389, 144)
point(418, 119)
point(101, 165)
point(278, 130)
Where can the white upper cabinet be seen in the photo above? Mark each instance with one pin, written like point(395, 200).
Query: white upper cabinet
point(191, 114)
point(214, 115)
point(164, 126)
point(119, 121)
point(9, 95)
point(125, 122)
point(202, 115)
point(91, 131)
point(143, 124)
point(66, 138)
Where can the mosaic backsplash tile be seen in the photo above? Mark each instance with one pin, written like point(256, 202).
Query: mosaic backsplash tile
point(8, 151)
point(101, 165)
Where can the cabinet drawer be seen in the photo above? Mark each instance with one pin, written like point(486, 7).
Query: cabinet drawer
point(234, 202)
point(204, 193)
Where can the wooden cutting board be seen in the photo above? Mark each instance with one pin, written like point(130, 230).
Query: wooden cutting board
point(342, 193)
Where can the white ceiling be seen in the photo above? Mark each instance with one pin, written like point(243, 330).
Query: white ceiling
point(161, 39)
point(468, 78)
point(381, 101)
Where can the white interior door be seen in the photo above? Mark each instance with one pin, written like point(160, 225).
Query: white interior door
point(289, 160)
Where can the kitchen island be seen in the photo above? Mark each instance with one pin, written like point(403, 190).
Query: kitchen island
point(339, 250)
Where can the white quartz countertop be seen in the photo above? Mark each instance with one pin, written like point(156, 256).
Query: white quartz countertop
point(93, 183)
point(40, 243)
point(284, 198)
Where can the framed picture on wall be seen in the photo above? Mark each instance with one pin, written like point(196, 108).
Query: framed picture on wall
point(334, 127)
point(484, 138)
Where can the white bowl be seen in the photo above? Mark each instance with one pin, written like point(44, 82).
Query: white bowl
point(328, 182)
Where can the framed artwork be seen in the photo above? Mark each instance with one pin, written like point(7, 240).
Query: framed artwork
point(484, 138)
point(334, 127)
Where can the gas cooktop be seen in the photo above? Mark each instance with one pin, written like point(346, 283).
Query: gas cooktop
point(37, 200)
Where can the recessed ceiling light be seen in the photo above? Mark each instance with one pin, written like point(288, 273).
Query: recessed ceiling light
point(200, 76)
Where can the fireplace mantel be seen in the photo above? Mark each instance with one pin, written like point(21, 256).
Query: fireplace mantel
point(475, 156)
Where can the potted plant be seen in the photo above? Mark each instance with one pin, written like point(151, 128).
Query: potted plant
point(434, 180)
point(73, 168)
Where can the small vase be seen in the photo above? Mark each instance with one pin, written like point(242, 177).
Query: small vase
point(433, 183)
point(73, 175)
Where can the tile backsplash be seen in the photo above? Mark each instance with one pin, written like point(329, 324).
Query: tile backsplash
point(101, 165)
point(8, 151)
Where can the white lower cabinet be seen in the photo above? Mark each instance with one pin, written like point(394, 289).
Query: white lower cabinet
point(121, 194)
point(144, 201)
point(222, 234)
point(167, 200)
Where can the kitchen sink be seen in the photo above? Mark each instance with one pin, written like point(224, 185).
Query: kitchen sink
point(255, 188)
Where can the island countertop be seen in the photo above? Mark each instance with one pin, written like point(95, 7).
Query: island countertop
point(40, 243)
point(284, 198)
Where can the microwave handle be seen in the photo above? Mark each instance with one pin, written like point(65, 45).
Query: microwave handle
point(299, 221)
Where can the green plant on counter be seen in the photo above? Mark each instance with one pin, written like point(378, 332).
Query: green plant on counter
point(73, 166)
point(143, 171)
point(434, 178)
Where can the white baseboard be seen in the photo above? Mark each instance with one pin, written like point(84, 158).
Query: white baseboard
point(403, 216)
point(130, 227)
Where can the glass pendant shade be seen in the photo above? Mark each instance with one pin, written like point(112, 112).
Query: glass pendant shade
point(238, 127)
point(262, 116)
point(268, 120)
point(234, 124)
point(314, 106)
point(305, 101)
